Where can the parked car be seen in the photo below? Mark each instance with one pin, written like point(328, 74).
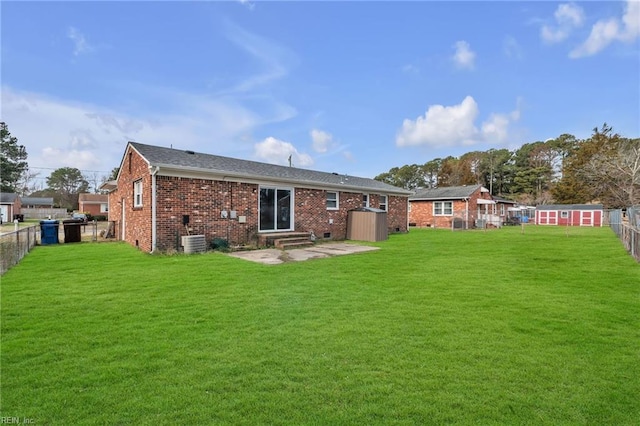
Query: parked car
point(80, 216)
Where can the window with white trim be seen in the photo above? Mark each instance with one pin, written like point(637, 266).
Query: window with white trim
point(383, 202)
point(104, 207)
point(137, 193)
point(564, 214)
point(332, 200)
point(365, 200)
point(443, 208)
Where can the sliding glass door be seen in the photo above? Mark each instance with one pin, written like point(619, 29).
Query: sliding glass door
point(276, 207)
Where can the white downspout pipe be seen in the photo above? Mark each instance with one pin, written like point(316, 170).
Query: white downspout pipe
point(154, 233)
point(466, 213)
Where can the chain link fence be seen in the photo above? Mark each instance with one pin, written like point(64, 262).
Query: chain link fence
point(626, 226)
point(15, 245)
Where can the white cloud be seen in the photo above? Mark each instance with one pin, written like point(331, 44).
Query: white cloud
point(80, 43)
point(322, 141)
point(496, 128)
point(567, 16)
point(606, 31)
point(273, 60)
point(512, 48)
point(441, 126)
point(275, 151)
point(569, 13)
point(631, 20)
point(602, 34)
point(447, 126)
point(464, 57)
point(249, 5)
point(93, 137)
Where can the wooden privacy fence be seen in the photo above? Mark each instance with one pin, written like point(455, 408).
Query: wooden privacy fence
point(627, 229)
point(15, 245)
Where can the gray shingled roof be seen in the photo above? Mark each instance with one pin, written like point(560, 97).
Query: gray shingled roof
point(8, 197)
point(207, 163)
point(569, 207)
point(37, 201)
point(445, 193)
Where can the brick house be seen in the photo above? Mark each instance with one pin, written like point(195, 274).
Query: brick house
point(93, 204)
point(453, 207)
point(162, 194)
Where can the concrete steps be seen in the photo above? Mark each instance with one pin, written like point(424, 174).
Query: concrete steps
point(286, 240)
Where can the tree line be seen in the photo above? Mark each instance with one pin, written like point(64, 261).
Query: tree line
point(603, 168)
point(63, 184)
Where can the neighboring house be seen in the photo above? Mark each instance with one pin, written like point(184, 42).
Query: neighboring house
point(37, 202)
point(93, 204)
point(453, 207)
point(569, 214)
point(162, 194)
point(10, 205)
point(41, 208)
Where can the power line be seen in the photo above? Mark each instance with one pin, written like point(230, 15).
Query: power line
point(52, 168)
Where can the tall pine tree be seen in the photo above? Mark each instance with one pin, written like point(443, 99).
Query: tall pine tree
point(12, 160)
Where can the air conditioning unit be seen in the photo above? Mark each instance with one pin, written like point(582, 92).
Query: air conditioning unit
point(194, 244)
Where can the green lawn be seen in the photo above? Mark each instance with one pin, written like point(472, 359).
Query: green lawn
point(475, 327)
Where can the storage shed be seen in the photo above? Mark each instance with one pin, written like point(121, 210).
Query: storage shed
point(367, 224)
point(569, 214)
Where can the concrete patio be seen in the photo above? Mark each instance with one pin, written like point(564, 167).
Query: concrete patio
point(275, 256)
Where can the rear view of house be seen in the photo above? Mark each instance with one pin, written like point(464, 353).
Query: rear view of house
point(163, 194)
point(569, 214)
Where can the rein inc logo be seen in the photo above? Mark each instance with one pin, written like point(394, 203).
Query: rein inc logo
point(5, 420)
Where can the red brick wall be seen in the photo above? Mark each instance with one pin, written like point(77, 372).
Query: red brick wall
point(203, 200)
point(93, 209)
point(137, 224)
point(422, 214)
point(311, 213)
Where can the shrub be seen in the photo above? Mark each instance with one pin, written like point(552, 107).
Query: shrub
point(219, 244)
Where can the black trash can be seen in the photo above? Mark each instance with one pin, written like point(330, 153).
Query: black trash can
point(72, 230)
point(49, 232)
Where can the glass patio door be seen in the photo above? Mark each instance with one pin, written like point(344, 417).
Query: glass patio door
point(275, 209)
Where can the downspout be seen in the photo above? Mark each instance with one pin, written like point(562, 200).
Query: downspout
point(466, 213)
point(154, 239)
point(408, 213)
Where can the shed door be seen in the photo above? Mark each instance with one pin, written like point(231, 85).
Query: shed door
point(586, 218)
point(548, 217)
point(4, 214)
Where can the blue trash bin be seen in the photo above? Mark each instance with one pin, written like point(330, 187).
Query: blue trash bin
point(49, 232)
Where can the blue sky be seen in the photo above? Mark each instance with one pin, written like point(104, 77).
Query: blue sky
point(350, 87)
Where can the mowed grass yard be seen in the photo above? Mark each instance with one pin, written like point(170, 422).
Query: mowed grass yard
point(474, 327)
